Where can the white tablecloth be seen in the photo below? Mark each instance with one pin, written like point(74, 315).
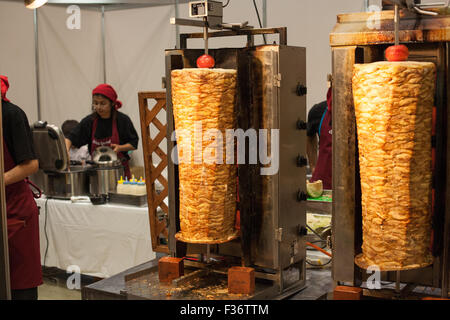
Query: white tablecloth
point(101, 240)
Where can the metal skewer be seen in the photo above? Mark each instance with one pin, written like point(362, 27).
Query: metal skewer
point(396, 24)
point(205, 34)
point(208, 253)
point(397, 282)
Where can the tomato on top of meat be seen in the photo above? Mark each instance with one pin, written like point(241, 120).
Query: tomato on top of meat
point(205, 61)
point(397, 53)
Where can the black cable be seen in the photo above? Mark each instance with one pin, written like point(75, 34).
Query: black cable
point(228, 2)
point(315, 232)
point(45, 230)
point(259, 20)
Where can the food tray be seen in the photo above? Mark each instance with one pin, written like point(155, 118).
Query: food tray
point(138, 201)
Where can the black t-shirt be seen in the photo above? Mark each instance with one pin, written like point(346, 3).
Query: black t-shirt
point(82, 133)
point(315, 115)
point(17, 133)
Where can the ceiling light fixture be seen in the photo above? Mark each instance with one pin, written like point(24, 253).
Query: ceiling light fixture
point(34, 4)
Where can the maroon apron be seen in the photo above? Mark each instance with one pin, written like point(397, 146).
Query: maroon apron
point(114, 139)
point(323, 170)
point(23, 232)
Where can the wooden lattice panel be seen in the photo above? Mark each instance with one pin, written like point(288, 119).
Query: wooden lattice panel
point(158, 227)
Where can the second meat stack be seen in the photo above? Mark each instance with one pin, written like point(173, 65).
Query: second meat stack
point(393, 108)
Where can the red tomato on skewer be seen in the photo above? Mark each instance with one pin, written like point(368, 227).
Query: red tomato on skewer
point(397, 53)
point(205, 61)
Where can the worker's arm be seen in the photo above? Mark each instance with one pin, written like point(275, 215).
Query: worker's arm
point(68, 144)
point(21, 171)
point(122, 148)
point(311, 151)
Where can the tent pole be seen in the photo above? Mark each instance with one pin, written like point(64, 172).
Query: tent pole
point(5, 285)
point(103, 44)
point(264, 13)
point(36, 61)
point(177, 27)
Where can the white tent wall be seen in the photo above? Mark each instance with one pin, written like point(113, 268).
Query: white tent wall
point(309, 23)
point(135, 44)
point(70, 64)
point(17, 55)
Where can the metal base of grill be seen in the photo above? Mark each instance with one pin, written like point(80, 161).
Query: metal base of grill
point(142, 283)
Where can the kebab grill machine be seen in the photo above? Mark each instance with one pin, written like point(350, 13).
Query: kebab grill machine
point(266, 250)
point(362, 38)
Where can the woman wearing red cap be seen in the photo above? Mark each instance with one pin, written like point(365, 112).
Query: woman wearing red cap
point(106, 126)
point(20, 161)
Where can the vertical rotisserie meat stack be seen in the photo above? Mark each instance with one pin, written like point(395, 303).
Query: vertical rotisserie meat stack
point(393, 107)
point(204, 105)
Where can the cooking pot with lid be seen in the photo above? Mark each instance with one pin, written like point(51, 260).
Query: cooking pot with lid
point(65, 184)
point(105, 172)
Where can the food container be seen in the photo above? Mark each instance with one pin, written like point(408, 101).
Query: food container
point(67, 184)
point(105, 172)
point(103, 178)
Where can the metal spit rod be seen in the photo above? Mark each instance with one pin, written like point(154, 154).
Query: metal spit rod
point(205, 34)
point(397, 282)
point(396, 24)
point(208, 253)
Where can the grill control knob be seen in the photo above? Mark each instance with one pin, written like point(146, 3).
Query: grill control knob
point(302, 196)
point(301, 161)
point(301, 125)
point(301, 90)
point(302, 231)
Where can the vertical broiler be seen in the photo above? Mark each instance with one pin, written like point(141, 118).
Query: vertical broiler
point(232, 215)
point(394, 215)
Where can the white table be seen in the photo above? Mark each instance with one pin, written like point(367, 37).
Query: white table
point(102, 240)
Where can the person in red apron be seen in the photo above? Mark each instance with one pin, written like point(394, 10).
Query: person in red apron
point(322, 169)
point(22, 212)
point(106, 126)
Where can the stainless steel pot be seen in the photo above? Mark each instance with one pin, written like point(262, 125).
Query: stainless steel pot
point(67, 184)
point(103, 178)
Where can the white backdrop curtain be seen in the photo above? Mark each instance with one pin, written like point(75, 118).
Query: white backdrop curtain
point(135, 44)
point(17, 55)
point(70, 63)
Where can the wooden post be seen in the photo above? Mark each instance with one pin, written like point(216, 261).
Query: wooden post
point(5, 285)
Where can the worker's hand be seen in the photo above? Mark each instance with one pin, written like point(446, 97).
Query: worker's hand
point(116, 147)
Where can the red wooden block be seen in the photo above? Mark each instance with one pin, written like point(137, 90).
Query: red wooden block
point(241, 280)
point(170, 268)
point(347, 293)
